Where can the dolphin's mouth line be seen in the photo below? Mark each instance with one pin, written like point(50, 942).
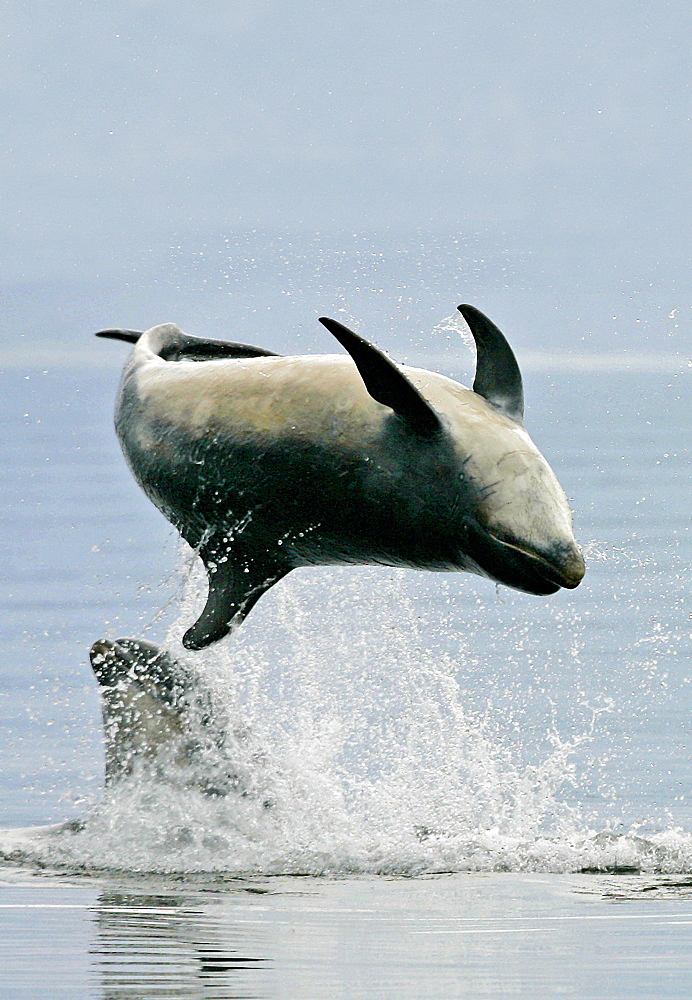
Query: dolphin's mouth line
point(515, 565)
point(522, 549)
point(552, 572)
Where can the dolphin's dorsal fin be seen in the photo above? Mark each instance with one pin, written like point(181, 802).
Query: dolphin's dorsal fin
point(386, 383)
point(236, 582)
point(181, 346)
point(498, 378)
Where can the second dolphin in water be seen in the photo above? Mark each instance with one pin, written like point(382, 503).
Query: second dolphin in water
point(160, 717)
point(266, 463)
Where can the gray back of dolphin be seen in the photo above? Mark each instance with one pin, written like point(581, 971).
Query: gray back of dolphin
point(265, 463)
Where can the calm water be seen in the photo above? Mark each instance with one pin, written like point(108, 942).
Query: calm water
point(410, 724)
point(464, 936)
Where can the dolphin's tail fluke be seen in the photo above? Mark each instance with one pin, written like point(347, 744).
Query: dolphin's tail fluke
point(170, 343)
point(129, 336)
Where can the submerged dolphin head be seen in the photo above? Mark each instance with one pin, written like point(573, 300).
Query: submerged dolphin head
point(159, 717)
point(267, 463)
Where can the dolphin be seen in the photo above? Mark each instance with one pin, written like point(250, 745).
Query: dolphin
point(265, 463)
point(160, 716)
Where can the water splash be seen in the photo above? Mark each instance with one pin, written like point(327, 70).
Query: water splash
point(363, 757)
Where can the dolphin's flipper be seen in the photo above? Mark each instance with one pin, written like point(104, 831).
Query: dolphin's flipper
point(236, 583)
point(385, 382)
point(183, 346)
point(498, 378)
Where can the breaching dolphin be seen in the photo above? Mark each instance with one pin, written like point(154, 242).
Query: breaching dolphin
point(265, 463)
point(160, 717)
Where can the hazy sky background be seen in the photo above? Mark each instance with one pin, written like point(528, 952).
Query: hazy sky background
point(204, 162)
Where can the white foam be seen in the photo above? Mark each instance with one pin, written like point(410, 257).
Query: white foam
point(363, 758)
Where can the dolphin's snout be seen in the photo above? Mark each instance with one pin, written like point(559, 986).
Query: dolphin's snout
point(524, 567)
point(109, 661)
point(562, 565)
point(568, 564)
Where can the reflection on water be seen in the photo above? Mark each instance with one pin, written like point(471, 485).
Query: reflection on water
point(482, 937)
point(171, 945)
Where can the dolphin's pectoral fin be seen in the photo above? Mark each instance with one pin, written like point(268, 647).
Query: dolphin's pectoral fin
point(385, 382)
point(235, 586)
point(498, 378)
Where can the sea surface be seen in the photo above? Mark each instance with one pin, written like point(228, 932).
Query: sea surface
point(474, 792)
